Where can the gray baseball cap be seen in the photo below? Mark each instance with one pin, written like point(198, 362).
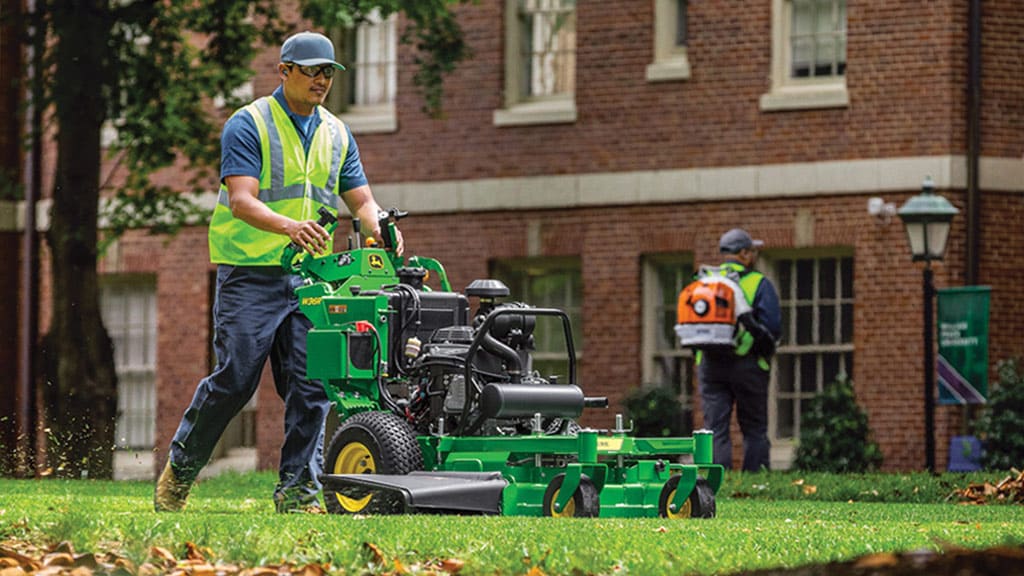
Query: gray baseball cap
point(309, 49)
point(735, 240)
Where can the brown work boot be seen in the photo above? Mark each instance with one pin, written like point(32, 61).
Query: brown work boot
point(171, 493)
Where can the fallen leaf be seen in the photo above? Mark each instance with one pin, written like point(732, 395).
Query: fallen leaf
point(661, 529)
point(150, 569)
point(193, 552)
point(810, 489)
point(876, 561)
point(378, 556)
point(163, 554)
point(534, 571)
point(309, 570)
point(452, 565)
point(65, 547)
point(798, 482)
point(58, 559)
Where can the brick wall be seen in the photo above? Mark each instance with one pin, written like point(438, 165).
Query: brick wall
point(906, 76)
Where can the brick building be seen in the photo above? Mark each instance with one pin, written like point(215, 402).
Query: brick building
point(591, 153)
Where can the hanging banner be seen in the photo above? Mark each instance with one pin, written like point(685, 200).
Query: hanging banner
point(962, 365)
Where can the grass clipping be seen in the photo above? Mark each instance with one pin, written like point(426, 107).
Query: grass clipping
point(1009, 489)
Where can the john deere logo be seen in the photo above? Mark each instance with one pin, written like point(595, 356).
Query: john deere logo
point(376, 262)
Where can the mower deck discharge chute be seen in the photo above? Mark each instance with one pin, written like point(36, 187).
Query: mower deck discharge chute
point(442, 412)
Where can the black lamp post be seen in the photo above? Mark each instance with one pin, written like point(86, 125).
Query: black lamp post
point(927, 218)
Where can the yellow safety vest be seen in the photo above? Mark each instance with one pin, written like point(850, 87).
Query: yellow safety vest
point(292, 183)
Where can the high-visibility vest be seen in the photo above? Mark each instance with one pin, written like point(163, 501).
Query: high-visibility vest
point(293, 183)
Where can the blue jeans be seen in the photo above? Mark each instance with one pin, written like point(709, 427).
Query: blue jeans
point(726, 379)
point(256, 316)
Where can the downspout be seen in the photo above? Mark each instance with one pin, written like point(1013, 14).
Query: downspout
point(29, 309)
point(973, 142)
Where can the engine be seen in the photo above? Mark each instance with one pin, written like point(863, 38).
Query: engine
point(432, 341)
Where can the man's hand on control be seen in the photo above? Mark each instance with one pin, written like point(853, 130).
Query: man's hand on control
point(399, 241)
point(309, 235)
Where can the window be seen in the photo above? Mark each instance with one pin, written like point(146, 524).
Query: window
point(128, 305)
point(670, 39)
point(363, 95)
point(816, 296)
point(808, 55)
point(548, 283)
point(540, 62)
point(665, 363)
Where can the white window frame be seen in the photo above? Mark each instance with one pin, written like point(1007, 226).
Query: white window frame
point(671, 61)
point(788, 93)
point(377, 42)
point(655, 305)
point(519, 110)
point(784, 448)
point(129, 312)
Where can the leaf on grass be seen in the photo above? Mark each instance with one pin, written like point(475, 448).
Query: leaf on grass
point(58, 559)
point(534, 571)
point(810, 489)
point(259, 571)
point(979, 493)
point(193, 552)
point(877, 561)
point(378, 555)
point(798, 482)
point(150, 569)
point(21, 559)
point(309, 570)
point(661, 529)
point(87, 561)
point(163, 554)
point(452, 565)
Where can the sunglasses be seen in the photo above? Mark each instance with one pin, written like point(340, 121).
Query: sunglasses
point(313, 71)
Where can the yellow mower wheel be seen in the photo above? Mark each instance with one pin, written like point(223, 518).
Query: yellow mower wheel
point(585, 502)
point(700, 503)
point(369, 443)
point(354, 458)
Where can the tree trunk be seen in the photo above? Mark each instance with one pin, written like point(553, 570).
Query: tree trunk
point(82, 382)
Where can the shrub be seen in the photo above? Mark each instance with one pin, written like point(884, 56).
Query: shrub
point(1001, 425)
point(657, 412)
point(834, 433)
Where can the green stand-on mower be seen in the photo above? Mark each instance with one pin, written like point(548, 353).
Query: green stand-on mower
point(441, 412)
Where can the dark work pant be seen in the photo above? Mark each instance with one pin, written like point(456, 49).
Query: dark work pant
point(256, 316)
point(726, 379)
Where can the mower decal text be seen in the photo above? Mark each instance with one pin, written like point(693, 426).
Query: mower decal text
point(337, 309)
point(609, 444)
point(376, 262)
point(312, 300)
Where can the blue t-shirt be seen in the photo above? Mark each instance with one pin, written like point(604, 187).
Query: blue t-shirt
point(240, 153)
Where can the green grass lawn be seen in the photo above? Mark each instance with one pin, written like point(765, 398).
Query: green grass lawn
point(764, 520)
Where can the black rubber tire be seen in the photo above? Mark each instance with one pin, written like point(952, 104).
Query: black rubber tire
point(701, 502)
point(370, 443)
point(585, 503)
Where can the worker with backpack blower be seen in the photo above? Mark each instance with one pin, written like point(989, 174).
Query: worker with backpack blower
point(739, 371)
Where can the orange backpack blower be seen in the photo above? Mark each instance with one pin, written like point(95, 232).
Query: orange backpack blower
point(709, 309)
